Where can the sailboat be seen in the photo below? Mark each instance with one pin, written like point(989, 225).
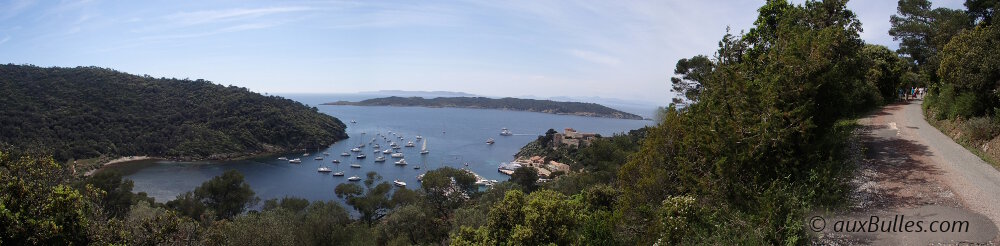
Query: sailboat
point(423, 150)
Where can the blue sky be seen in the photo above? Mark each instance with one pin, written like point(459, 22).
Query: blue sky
point(614, 49)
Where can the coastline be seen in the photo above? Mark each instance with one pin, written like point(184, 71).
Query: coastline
point(581, 114)
point(119, 160)
point(227, 157)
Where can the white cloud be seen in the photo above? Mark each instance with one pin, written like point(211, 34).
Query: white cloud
point(214, 16)
point(4, 40)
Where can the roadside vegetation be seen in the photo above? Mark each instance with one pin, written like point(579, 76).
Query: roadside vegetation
point(957, 54)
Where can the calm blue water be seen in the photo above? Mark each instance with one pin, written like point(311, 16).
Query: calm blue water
point(456, 137)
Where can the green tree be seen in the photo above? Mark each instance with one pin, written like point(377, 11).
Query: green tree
point(526, 177)
point(373, 203)
point(923, 31)
point(446, 189)
point(227, 195)
point(692, 71)
point(414, 224)
point(118, 197)
point(36, 205)
point(971, 64)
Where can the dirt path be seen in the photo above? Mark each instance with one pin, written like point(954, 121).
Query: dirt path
point(910, 165)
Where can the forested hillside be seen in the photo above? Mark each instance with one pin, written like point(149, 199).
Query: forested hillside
point(507, 103)
point(86, 112)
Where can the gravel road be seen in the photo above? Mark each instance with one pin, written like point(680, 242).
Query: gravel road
point(909, 167)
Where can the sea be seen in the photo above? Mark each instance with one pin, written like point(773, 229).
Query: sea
point(455, 137)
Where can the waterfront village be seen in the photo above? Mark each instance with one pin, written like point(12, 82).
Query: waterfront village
point(569, 138)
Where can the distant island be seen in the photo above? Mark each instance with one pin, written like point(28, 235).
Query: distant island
point(507, 103)
point(90, 112)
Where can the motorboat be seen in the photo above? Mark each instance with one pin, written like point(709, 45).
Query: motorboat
point(410, 144)
point(283, 158)
point(326, 153)
point(353, 121)
point(416, 167)
point(399, 183)
point(387, 151)
point(377, 146)
point(296, 160)
point(397, 155)
point(505, 132)
point(318, 158)
point(401, 162)
point(345, 154)
point(354, 178)
point(393, 144)
point(336, 161)
point(355, 150)
point(380, 159)
point(418, 137)
point(324, 170)
point(490, 141)
point(361, 156)
point(338, 174)
point(305, 154)
point(355, 165)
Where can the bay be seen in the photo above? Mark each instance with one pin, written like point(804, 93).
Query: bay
point(456, 138)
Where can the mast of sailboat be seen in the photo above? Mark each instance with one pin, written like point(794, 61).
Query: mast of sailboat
point(425, 146)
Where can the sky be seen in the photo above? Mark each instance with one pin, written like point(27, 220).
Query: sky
point(611, 49)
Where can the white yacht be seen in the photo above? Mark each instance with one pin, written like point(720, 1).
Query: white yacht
point(336, 161)
point(397, 155)
point(296, 160)
point(410, 144)
point(324, 170)
point(283, 158)
point(326, 153)
point(418, 137)
point(355, 165)
point(361, 156)
point(345, 154)
point(318, 158)
point(355, 150)
point(423, 150)
point(399, 183)
point(490, 141)
point(377, 146)
point(305, 154)
point(380, 159)
point(338, 174)
point(354, 178)
point(505, 132)
point(401, 162)
point(387, 151)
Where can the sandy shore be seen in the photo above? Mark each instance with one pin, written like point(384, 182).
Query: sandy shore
point(119, 160)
